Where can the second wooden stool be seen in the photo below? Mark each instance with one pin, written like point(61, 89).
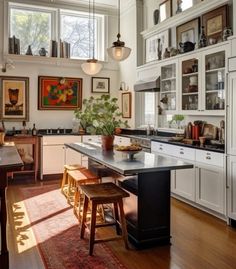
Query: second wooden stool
point(76, 178)
point(99, 194)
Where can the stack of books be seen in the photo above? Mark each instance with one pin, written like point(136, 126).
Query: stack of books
point(13, 45)
point(64, 49)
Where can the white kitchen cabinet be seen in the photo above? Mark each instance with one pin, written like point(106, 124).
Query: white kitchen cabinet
point(183, 183)
point(231, 114)
point(231, 184)
point(121, 140)
point(210, 187)
point(72, 156)
point(203, 81)
point(54, 155)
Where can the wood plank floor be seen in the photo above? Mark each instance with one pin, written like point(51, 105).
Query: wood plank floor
point(199, 241)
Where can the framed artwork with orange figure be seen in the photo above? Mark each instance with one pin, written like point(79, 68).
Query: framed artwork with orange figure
point(14, 97)
point(59, 93)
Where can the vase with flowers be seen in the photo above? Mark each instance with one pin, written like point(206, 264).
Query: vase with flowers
point(102, 116)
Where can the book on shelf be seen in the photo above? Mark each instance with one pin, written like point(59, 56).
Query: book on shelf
point(64, 49)
point(13, 45)
point(53, 48)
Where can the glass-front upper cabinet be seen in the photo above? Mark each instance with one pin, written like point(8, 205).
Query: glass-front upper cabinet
point(189, 85)
point(215, 81)
point(168, 87)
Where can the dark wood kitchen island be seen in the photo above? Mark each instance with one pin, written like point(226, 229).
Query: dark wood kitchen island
point(10, 161)
point(147, 178)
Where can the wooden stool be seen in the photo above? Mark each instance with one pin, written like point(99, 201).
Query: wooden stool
point(64, 182)
point(99, 194)
point(76, 178)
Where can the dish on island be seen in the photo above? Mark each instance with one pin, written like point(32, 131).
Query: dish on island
point(129, 148)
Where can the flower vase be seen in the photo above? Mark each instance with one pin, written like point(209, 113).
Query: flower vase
point(107, 142)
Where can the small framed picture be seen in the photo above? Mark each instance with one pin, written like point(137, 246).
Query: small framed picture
point(165, 10)
point(126, 105)
point(214, 23)
point(59, 93)
point(188, 31)
point(100, 85)
point(14, 98)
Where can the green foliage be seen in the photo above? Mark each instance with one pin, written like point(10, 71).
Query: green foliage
point(177, 117)
point(101, 115)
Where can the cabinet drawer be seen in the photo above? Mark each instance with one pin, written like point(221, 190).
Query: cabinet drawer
point(60, 139)
point(91, 138)
point(209, 157)
point(124, 141)
point(182, 152)
point(159, 147)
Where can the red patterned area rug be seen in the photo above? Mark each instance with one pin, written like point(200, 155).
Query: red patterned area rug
point(56, 231)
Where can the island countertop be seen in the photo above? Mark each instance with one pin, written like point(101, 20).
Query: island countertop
point(143, 162)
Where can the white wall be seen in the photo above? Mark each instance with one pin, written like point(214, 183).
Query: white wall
point(55, 119)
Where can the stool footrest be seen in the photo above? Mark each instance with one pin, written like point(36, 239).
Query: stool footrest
point(108, 239)
point(99, 225)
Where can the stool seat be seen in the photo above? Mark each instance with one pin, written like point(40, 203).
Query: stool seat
point(104, 192)
point(99, 194)
point(64, 183)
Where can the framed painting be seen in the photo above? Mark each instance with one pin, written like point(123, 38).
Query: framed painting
point(188, 31)
point(100, 85)
point(214, 23)
point(59, 93)
point(126, 105)
point(14, 98)
point(165, 10)
point(156, 45)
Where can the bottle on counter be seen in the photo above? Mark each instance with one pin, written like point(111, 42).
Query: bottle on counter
point(34, 130)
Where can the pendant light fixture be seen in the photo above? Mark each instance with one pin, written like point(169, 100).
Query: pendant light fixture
point(118, 51)
point(91, 66)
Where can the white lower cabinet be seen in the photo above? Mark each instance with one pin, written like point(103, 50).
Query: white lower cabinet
point(210, 187)
point(183, 183)
point(204, 185)
point(231, 183)
point(121, 141)
point(54, 154)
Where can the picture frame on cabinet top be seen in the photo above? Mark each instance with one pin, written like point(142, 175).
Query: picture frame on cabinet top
point(188, 31)
point(214, 23)
point(151, 45)
point(165, 10)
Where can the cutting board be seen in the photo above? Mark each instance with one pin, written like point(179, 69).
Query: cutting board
point(210, 131)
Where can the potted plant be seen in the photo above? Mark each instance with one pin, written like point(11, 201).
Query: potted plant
point(102, 116)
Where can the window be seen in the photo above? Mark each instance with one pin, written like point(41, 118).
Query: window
point(37, 26)
point(32, 26)
point(75, 30)
point(186, 4)
point(146, 112)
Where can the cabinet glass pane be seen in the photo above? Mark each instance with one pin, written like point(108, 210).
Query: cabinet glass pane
point(168, 87)
point(215, 81)
point(190, 84)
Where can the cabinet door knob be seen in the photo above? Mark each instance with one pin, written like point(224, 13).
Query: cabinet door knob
point(208, 158)
point(181, 152)
point(160, 148)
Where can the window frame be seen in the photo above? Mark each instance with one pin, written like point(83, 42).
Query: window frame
point(55, 12)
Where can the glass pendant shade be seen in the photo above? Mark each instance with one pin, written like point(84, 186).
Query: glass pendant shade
point(118, 53)
point(91, 67)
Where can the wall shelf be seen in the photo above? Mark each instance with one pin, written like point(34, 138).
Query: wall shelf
point(187, 15)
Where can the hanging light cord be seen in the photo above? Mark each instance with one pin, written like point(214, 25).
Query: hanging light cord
point(89, 26)
point(93, 28)
point(118, 35)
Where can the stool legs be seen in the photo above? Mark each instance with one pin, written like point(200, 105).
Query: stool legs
point(123, 224)
point(85, 209)
point(92, 227)
point(116, 214)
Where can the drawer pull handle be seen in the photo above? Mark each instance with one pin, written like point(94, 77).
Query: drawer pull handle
point(181, 152)
point(160, 148)
point(208, 158)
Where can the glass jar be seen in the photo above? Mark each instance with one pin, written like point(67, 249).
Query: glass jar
point(75, 125)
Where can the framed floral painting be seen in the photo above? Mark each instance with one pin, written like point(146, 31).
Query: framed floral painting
point(59, 93)
point(14, 95)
